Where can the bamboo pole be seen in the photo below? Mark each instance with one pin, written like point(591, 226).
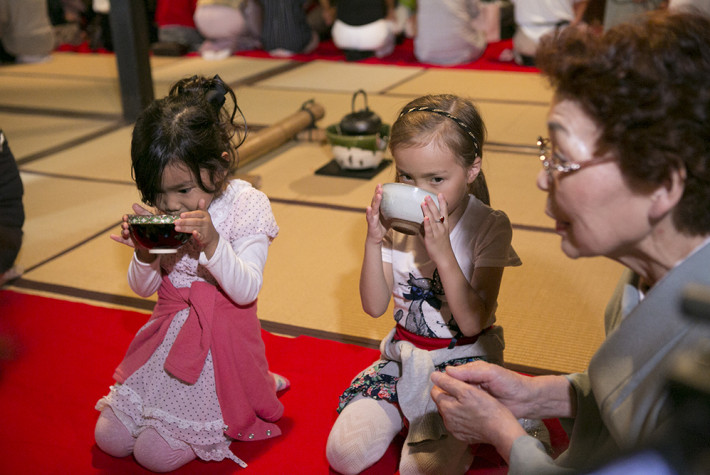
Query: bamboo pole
point(270, 138)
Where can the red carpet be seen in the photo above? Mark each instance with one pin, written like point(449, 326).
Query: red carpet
point(403, 55)
point(56, 361)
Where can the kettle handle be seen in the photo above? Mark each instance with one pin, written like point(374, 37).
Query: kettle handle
point(364, 95)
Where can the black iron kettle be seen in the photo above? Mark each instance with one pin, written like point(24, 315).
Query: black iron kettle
point(362, 122)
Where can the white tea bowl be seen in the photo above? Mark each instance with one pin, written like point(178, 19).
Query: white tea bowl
point(401, 206)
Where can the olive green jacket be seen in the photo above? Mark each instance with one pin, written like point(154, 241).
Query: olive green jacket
point(622, 399)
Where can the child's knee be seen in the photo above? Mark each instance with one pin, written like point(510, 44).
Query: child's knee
point(154, 453)
point(112, 436)
point(344, 449)
point(361, 435)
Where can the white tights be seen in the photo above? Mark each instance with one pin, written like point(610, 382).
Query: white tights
point(149, 448)
point(366, 427)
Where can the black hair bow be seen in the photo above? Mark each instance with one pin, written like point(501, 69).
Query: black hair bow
point(216, 95)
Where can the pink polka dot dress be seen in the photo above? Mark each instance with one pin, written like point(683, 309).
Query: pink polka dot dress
point(190, 414)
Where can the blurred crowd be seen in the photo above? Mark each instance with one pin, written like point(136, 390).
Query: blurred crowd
point(444, 32)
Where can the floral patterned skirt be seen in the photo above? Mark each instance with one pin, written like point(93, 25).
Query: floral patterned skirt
point(379, 381)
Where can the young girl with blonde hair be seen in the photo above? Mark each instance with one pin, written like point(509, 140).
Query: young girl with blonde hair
point(444, 282)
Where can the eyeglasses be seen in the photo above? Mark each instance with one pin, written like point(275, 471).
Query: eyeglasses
point(552, 162)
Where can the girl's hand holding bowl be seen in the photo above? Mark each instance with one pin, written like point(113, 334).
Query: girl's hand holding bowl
point(125, 236)
point(198, 224)
point(401, 206)
point(375, 229)
point(156, 233)
point(150, 234)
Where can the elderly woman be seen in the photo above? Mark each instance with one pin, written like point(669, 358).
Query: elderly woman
point(627, 172)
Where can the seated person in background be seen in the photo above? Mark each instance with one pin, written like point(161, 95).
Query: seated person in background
point(616, 11)
point(12, 213)
point(702, 6)
point(26, 34)
point(638, 195)
point(405, 13)
point(177, 33)
point(364, 28)
point(321, 15)
point(535, 18)
point(228, 26)
point(449, 31)
point(285, 28)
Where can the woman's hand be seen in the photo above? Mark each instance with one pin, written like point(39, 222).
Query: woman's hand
point(436, 229)
point(538, 397)
point(125, 236)
point(199, 224)
point(375, 228)
point(511, 389)
point(471, 410)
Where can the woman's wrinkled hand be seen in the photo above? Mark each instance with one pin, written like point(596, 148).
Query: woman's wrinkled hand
point(511, 389)
point(470, 409)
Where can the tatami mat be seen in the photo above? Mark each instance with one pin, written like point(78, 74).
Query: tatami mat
point(107, 158)
point(292, 176)
point(518, 125)
point(552, 307)
point(30, 134)
point(64, 212)
point(62, 119)
point(89, 83)
point(77, 65)
point(232, 70)
point(511, 179)
point(480, 85)
point(94, 266)
point(76, 94)
point(343, 77)
point(312, 275)
point(263, 105)
point(507, 123)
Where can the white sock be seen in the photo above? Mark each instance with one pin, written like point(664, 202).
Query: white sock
point(361, 434)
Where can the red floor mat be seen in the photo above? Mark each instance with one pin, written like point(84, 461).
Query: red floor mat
point(403, 55)
point(61, 358)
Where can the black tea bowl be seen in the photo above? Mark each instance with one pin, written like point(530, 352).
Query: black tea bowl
point(156, 232)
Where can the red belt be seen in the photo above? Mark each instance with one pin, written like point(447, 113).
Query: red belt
point(430, 344)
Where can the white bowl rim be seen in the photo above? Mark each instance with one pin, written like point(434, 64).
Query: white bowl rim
point(390, 211)
point(414, 190)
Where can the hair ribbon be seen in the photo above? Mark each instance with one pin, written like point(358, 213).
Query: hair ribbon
point(216, 95)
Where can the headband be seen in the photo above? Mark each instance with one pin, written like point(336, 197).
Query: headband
point(458, 121)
